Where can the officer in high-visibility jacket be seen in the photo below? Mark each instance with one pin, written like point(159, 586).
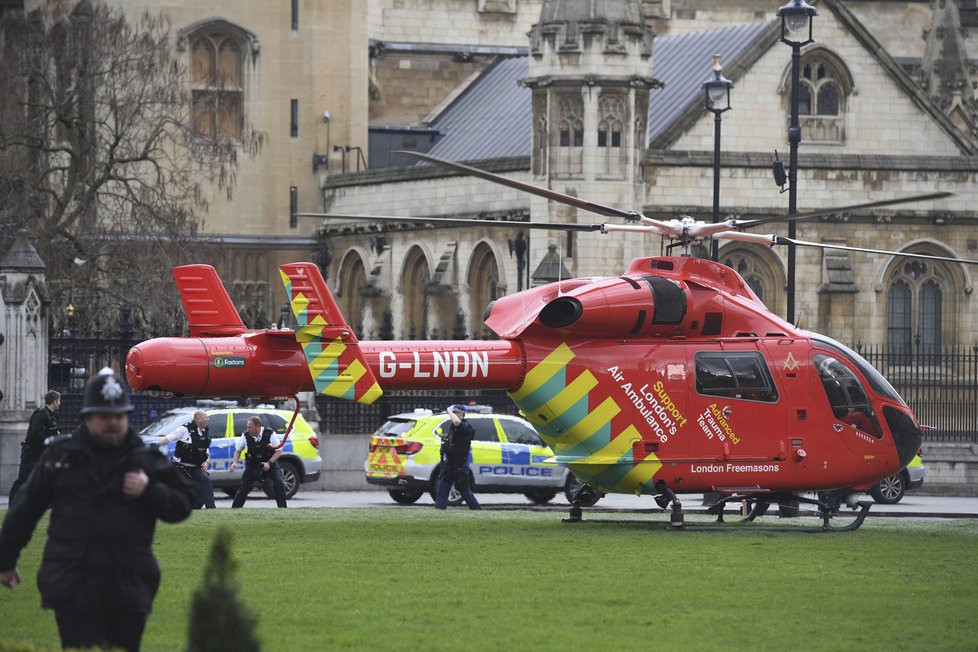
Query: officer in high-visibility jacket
point(263, 449)
point(106, 490)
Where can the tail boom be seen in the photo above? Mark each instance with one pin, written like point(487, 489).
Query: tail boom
point(266, 364)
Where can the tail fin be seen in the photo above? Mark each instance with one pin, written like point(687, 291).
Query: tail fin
point(336, 363)
point(207, 304)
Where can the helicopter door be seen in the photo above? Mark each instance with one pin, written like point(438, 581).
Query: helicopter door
point(851, 408)
point(736, 412)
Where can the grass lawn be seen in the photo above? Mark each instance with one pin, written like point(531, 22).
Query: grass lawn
point(417, 579)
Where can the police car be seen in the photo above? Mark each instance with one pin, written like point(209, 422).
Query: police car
point(507, 456)
point(300, 461)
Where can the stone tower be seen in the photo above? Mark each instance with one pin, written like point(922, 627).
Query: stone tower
point(590, 74)
point(23, 349)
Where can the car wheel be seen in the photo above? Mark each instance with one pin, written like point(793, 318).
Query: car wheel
point(588, 499)
point(404, 497)
point(889, 491)
point(290, 476)
point(454, 496)
point(541, 497)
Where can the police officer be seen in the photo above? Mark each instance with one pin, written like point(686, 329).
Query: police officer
point(262, 445)
point(455, 460)
point(43, 426)
point(106, 490)
point(193, 453)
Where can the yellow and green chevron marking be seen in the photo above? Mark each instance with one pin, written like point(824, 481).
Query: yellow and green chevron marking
point(336, 367)
point(559, 406)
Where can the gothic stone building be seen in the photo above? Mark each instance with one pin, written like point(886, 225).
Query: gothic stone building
point(597, 106)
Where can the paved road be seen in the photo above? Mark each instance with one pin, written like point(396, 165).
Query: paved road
point(911, 505)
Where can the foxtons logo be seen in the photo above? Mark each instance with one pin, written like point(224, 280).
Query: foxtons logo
point(228, 362)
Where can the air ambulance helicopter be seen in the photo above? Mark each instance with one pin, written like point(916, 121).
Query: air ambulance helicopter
point(671, 378)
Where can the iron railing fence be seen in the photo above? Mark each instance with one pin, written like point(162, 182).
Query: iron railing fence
point(337, 416)
point(72, 361)
point(940, 384)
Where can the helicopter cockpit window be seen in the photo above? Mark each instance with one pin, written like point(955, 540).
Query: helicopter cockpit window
point(846, 395)
point(876, 380)
point(741, 375)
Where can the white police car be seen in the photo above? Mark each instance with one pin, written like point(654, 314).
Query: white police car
point(300, 461)
point(507, 456)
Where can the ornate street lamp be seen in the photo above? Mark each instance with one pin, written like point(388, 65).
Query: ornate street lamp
point(717, 100)
point(795, 16)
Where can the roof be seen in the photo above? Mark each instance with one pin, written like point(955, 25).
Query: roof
point(683, 62)
point(492, 118)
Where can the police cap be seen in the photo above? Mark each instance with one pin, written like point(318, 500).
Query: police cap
point(106, 393)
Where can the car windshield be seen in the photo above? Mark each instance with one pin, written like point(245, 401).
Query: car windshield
point(396, 427)
point(166, 424)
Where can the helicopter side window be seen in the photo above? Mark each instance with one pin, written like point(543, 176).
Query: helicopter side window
point(741, 375)
point(846, 395)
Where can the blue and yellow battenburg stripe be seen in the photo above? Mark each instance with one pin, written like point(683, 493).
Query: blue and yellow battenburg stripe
point(335, 362)
point(560, 408)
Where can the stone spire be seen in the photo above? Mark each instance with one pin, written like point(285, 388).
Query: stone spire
point(946, 70)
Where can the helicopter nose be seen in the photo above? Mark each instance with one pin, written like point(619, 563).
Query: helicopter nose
point(906, 434)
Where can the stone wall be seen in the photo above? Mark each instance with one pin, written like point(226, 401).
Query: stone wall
point(952, 469)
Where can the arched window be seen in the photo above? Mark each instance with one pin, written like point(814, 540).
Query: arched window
point(353, 278)
point(217, 57)
point(416, 278)
point(822, 93)
point(570, 137)
point(483, 283)
point(762, 273)
point(611, 150)
point(915, 310)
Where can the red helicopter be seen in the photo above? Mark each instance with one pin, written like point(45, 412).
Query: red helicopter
point(671, 378)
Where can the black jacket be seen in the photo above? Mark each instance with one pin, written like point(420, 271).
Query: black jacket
point(458, 443)
point(98, 552)
point(44, 424)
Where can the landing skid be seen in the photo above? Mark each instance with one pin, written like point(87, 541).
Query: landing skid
point(761, 502)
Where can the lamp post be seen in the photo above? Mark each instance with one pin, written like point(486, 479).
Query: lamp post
point(796, 17)
point(717, 98)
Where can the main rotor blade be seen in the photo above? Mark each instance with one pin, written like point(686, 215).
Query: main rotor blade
point(883, 252)
point(746, 224)
point(570, 200)
point(771, 240)
point(452, 221)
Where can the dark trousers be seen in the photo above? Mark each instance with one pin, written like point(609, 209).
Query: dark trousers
point(27, 462)
point(205, 490)
point(459, 476)
point(100, 629)
point(251, 474)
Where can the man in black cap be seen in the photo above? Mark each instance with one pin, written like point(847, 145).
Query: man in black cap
point(106, 490)
point(43, 426)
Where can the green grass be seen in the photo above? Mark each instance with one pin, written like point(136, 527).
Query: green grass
point(417, 579)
